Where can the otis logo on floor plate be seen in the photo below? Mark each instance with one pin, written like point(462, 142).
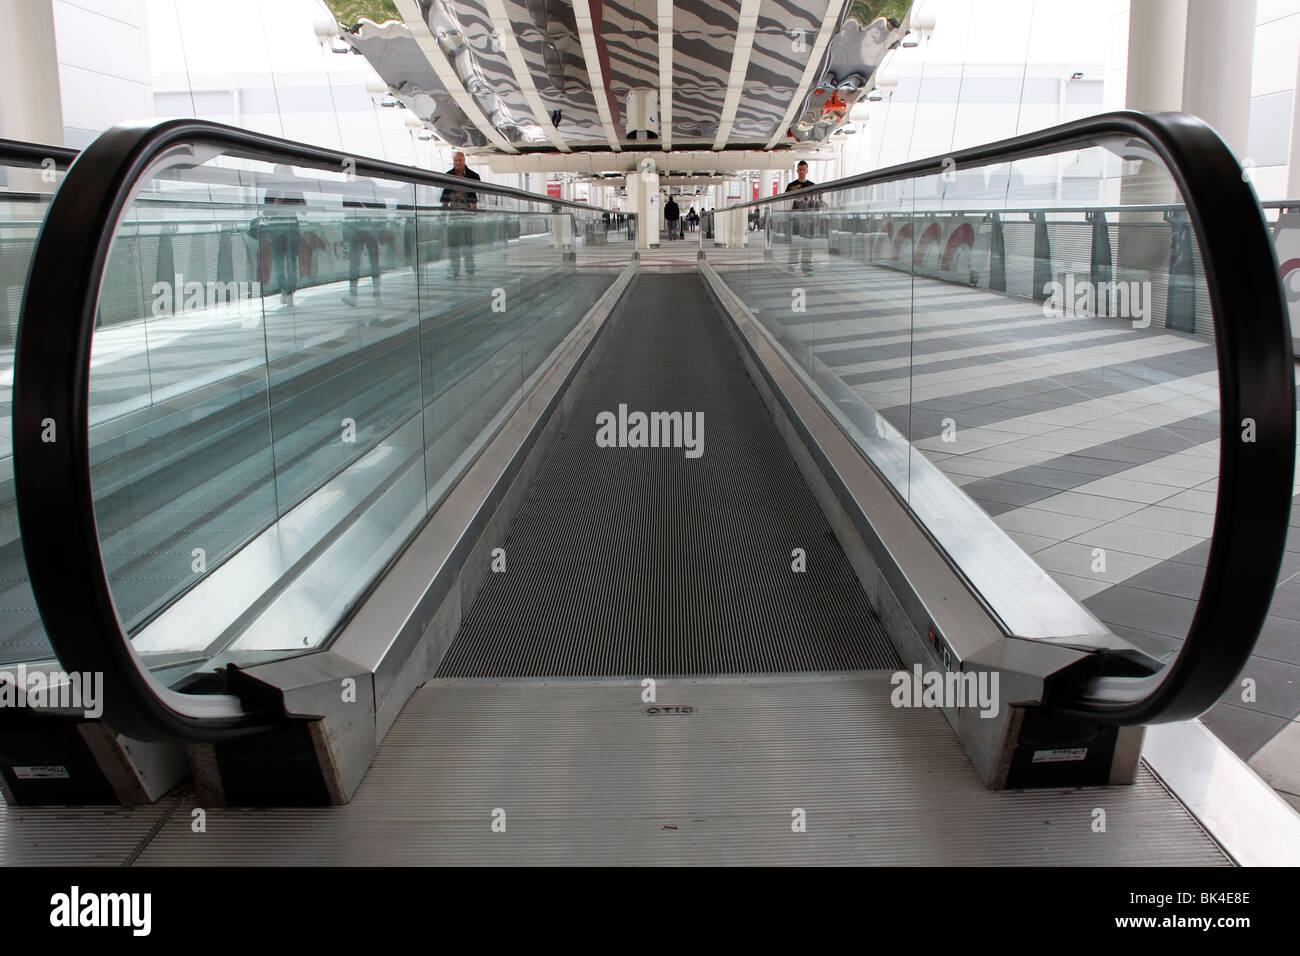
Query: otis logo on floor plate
point(670, 710)
point(651, 430)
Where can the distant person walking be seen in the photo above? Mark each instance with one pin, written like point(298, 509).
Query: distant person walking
point(802, 228)
point(673, 216)
point(459, 226)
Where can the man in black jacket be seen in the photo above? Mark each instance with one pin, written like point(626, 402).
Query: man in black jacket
point(802, 228)
point(460, 234)
point(673, 215)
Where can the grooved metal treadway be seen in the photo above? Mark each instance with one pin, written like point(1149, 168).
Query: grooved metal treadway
point(585, 775)
point(641, 561)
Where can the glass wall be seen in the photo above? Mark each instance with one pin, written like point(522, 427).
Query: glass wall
point(1025, 352)
point(290, 369)
point(26, 189)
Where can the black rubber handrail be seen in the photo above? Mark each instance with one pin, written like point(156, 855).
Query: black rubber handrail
point(51, 391)
point(56, 509)
point(17, 153)
point(1252, 338)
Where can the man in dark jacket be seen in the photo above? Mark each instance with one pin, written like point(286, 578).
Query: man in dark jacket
point(460, 234)
point(802, 229)
point(673, 215)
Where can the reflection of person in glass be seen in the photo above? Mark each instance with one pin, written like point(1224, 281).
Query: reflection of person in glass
point(802, 228)
point(360, 235)
point(280, 228)
point(460, 234)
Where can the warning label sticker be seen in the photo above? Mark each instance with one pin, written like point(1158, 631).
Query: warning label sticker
point(1065, 753)
point(41, 773)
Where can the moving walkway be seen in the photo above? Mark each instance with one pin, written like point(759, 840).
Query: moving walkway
point(603, 559)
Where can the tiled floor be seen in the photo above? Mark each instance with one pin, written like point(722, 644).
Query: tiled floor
point(1084, 439)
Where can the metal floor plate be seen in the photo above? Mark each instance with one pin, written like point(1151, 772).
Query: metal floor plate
point(643, 561)
point(585, 775)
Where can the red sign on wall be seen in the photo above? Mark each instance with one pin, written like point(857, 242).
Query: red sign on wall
point(755, 196)
point(553, 188)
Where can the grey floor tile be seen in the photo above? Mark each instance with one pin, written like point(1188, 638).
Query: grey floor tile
point(1086, 463)
point(1279, 640)
point(1013, 493)
point(1197, 555)
point(1277, 687)
point(1171, 577)
point(1058, 527)
point(1060, 478)
point(1088, 506)
point(1290, 567)
point(1147, 610)
point(1286, 601)
point(1154, 543)
point(1244, 731)
point(1116, 451)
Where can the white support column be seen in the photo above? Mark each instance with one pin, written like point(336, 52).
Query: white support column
point(642, 188)
point(1157, 38)
point(1217, 66)
point(728, 226)
point(1293, 157)
point(31, 107)
point(1157, 32)
point(737, 229)
point(719, 218)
